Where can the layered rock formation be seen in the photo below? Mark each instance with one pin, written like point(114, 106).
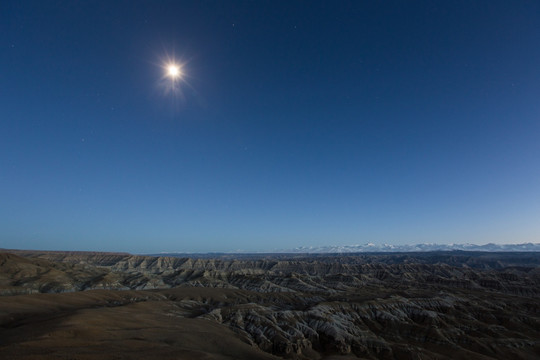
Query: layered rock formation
point(406, 306)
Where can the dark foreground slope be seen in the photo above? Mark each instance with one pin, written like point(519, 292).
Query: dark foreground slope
point(407, 307)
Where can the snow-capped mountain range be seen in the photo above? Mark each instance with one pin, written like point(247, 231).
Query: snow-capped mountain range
point(370, 247)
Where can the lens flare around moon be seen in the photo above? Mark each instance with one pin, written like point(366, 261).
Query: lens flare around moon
point(174, 79)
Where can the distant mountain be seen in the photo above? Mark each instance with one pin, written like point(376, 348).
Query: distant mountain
point(370, 247)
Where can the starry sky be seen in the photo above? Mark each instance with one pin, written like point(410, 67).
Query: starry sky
point(295, 123)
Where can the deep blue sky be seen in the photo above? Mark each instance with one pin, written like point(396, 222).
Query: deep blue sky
point(297, 123)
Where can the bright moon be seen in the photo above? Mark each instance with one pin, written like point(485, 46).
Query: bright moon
point(173, 71)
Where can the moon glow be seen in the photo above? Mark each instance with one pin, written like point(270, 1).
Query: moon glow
point(173, 76)
point(173, 71)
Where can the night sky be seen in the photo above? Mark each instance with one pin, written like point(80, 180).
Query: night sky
point(294, 123)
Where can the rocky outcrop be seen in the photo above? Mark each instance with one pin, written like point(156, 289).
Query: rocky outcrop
point(305, 308)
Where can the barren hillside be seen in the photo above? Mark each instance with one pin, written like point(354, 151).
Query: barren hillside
point(435, 306)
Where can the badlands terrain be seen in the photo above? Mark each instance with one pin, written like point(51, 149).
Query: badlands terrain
point(433, 305)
